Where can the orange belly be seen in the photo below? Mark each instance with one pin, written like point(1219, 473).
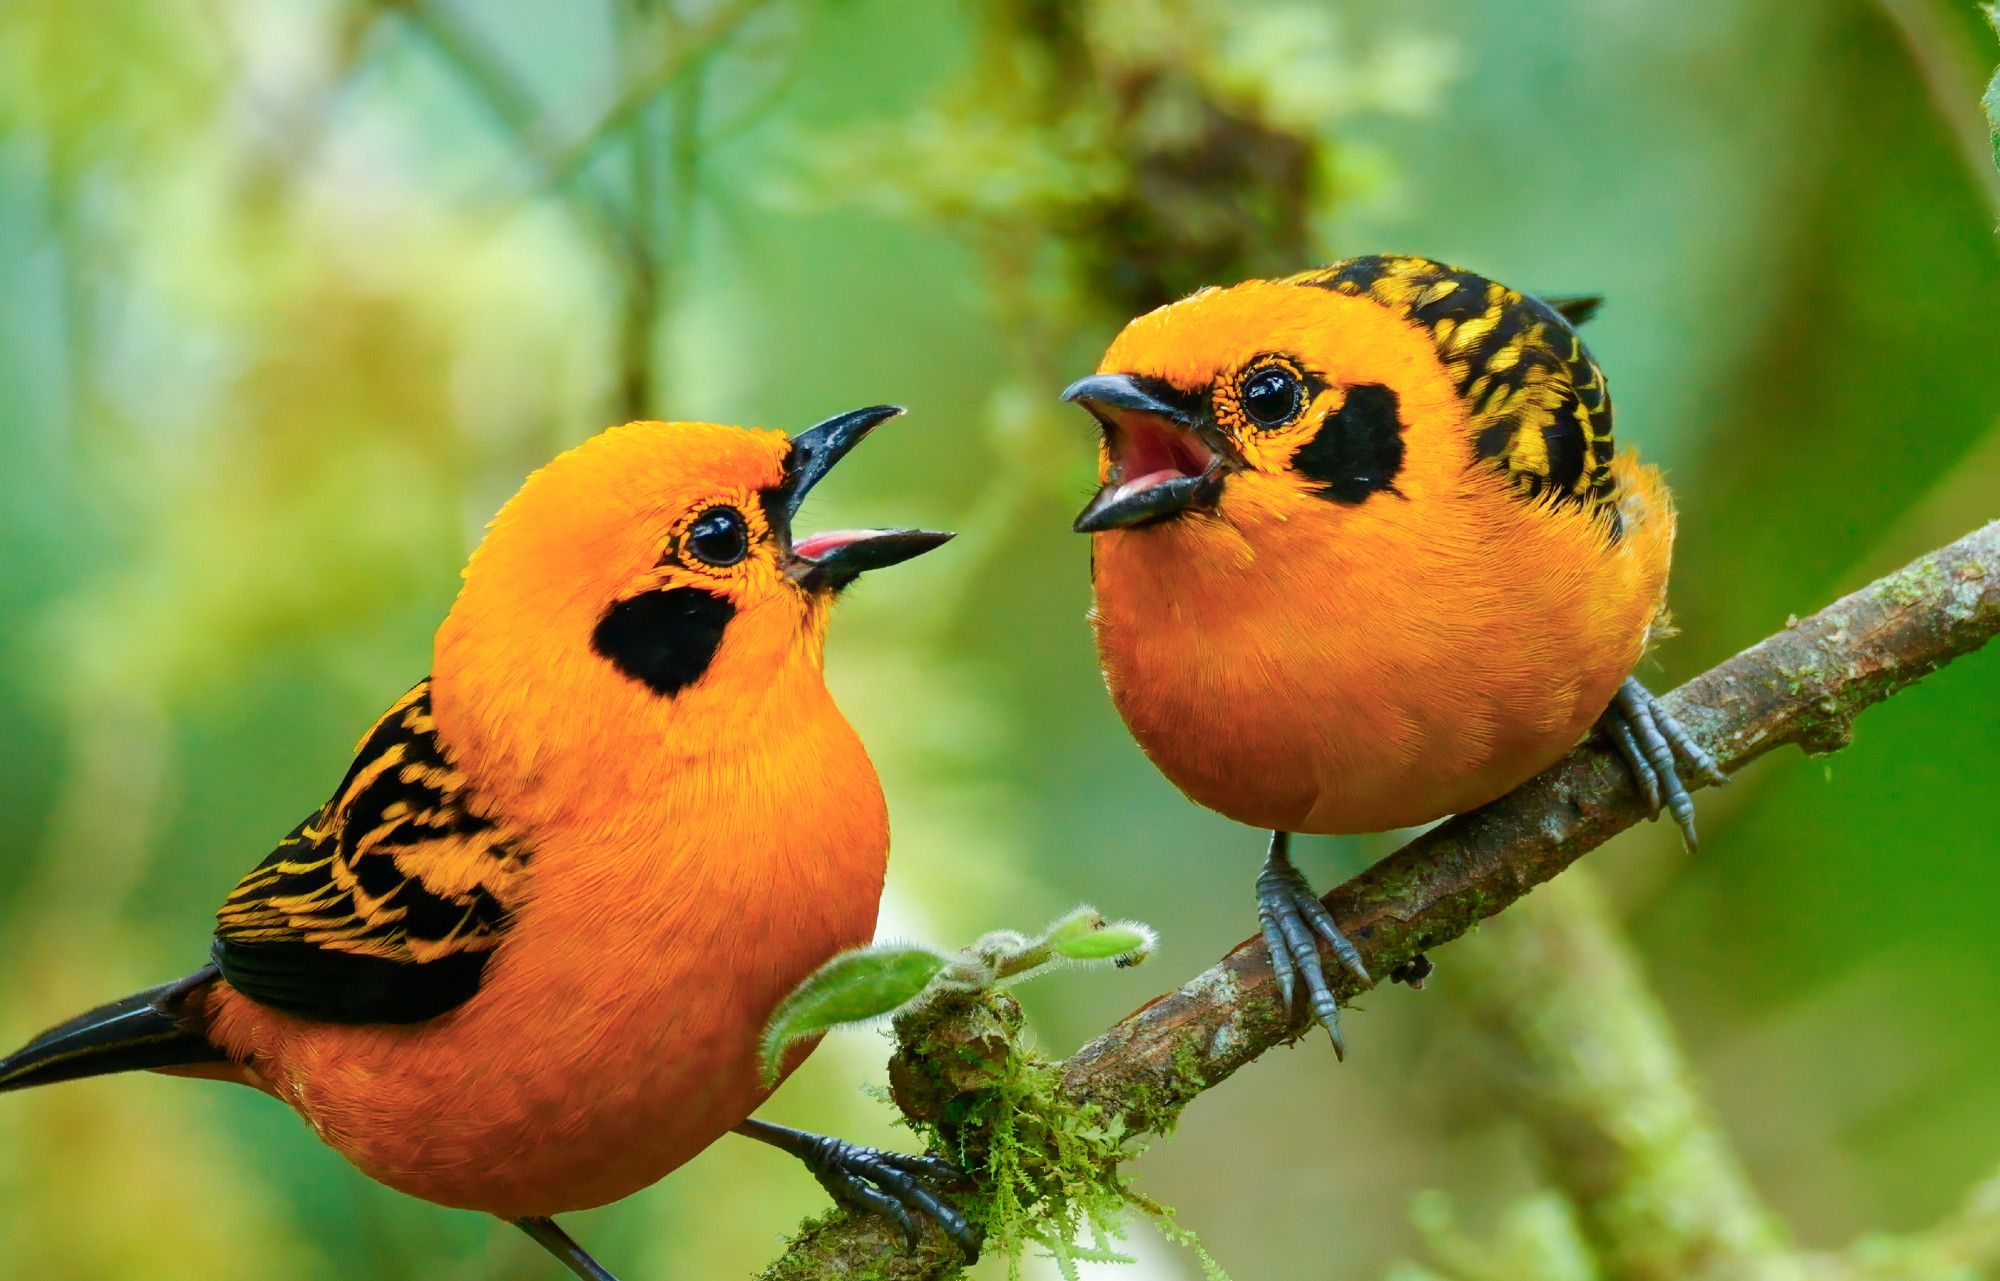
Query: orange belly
point(615, 1032)
point(1389, 677)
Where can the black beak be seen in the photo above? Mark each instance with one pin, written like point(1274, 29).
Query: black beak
point(832, 560)
point(1149, 417)
point(816, 449)
point(1141, 395)
point(1111, 509)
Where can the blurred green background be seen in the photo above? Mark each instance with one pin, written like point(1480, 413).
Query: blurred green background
point(293, 294)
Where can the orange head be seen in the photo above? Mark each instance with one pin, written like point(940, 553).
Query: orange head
point(643, 600)
point(1377, 376)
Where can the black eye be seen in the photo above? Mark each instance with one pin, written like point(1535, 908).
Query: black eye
point(719, 536)
point(1271, 396)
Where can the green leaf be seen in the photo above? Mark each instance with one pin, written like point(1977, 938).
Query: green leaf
point(1993, 91)
point(1078, 922)
point(854, 987)
point(1125, 942)
point(1081, 935)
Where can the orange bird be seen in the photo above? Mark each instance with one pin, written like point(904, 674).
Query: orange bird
point(1364, 556)
point(520, 960)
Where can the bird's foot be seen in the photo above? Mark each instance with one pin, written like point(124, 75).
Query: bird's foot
point(1652, 743)
point(1295, 921)
point(897, 1185)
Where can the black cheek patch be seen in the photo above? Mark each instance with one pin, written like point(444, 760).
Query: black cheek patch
point(1358, 450)
point(665, 639)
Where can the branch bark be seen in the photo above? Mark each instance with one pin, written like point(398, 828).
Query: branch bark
point(1802, 686)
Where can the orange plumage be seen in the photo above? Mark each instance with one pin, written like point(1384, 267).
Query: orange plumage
point(520, 961)
point(1363, 555)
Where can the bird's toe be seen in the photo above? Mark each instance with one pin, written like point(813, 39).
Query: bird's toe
point(1655, 744)
point(898, 1186)
point(1294, 922)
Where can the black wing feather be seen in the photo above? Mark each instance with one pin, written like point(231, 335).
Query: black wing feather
point(346, 921)
point(1540, 411)
point(1577, 309)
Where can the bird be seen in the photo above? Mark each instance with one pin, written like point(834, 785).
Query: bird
point(1364, 555)
point(519, 960)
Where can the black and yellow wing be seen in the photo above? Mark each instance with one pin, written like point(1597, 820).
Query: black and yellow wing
point(1540, 409)
point(385, 905)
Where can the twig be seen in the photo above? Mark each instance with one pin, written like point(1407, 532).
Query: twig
point(697, 41)
point(1802, 686)
point(512, 105)
point(1594, 1068)
point(631, 234)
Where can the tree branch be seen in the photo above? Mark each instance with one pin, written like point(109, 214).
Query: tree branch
point(1593, 1066)
point(1802, 686)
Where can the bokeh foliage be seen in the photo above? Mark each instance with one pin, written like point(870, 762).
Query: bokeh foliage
point(291, 295)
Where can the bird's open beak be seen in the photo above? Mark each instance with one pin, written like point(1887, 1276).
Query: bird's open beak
point(834, 559)
point(1164, 457)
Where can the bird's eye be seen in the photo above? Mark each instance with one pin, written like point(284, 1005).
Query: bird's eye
point(1271, 396)
point(719, 536)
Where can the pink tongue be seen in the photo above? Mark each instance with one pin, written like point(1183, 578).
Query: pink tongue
point(1147, 481)
point(1151, 479)
point(815, 546)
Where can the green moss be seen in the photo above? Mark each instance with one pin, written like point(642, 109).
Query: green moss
point(1047, 1170)
point(1188, 1081)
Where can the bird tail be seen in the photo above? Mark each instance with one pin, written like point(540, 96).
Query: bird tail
point(150, 1029)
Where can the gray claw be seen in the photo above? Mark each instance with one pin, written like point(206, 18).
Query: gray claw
point(891, 1184)
point(1695, 754)
point(1294, 920)
point(1282, 968)
point(1327, 928)
point(1650, 739)
point(1642, 770)
point(850, 1189)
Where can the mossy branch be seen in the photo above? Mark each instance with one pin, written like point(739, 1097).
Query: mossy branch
point(1802, 686)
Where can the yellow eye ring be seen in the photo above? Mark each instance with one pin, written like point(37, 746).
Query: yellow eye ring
point(1271, 394)
point(719, 537)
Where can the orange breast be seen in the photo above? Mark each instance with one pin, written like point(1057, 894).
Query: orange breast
point(1425, 660)
point(614, 1035)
